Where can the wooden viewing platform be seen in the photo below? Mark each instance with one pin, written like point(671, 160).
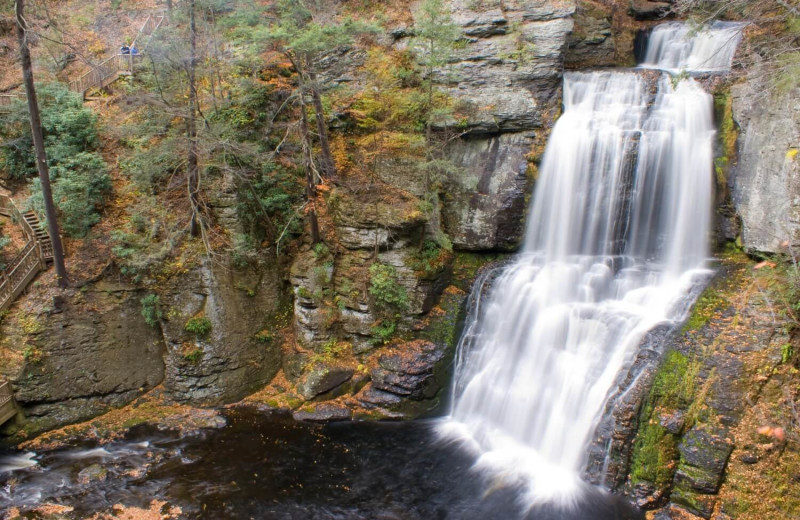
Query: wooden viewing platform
point(8, 408)
point(110, 70)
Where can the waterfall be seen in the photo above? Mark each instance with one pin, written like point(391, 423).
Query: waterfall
point(676, 46)
point(617, 238)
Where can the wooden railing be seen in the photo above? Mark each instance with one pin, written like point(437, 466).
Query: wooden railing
point(6, 100)
point(112, 68)
point(9, 209)
point(24, 267)
point(149, 27)
point(7, 407)
point(103, 74)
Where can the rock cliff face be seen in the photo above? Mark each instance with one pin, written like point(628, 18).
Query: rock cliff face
point(94, 351)
point(506, 81)
point(509, 77)
point(766, 181)
point(239, 353)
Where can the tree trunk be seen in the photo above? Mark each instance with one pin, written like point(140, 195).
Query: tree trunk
point(38, 144)
point(193, 173)
point(328, 166)
point(311, 185)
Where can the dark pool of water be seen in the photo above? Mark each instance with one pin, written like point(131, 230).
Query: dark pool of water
point(267, 466)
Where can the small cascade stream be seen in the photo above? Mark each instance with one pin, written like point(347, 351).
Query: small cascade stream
point(617, 238)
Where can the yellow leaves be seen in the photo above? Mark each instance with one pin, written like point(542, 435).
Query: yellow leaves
point(792, 154)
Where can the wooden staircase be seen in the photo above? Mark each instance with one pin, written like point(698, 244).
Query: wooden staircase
point(111, 69)
point(30, 261)
point(40, 235)
point(7, 407)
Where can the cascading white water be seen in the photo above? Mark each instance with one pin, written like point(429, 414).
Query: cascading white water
point(676, 46)
point(617, 237)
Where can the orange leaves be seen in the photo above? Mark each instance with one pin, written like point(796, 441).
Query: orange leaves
point(777, 433)
point(764, 264)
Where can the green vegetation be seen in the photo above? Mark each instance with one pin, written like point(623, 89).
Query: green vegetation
point(198, 325)
point(727, 134)
point(431, 259)
point(32, 354)
point(387, 292)
point(79, 175)
point(194, 355)
point(655, 448)
point(151, 311)
point(654, 455)
point(390, 299)
point(709, 303)
point(264, 336)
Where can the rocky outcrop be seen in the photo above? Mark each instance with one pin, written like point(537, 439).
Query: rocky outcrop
point(92, 352)
point(485, 202)
point(407, 371)
point(592, 42)
point(766, 181)
point(505, 81)
point(687, 423)
point(508, 79)
point(216, 327)
point(651, 10)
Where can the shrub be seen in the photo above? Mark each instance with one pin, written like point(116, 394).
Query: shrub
point(69, 129)
point(390, 300)
point(199, 325)
point(385, 289)
point(194, 355)
point(151, 310)
point(80, 185)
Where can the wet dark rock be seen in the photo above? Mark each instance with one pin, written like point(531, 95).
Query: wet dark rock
point(704, 455)
point(407, 370)
point(748, 458)
point(647, 495)
point(696, 504)
point(324, 412)
point(93, 473)
point(610, 453)
point(673, 421)
point(372, 397)
point(323, 377)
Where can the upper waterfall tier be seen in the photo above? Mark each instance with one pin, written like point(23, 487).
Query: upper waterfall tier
point(621, 177)
point(676, 46)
